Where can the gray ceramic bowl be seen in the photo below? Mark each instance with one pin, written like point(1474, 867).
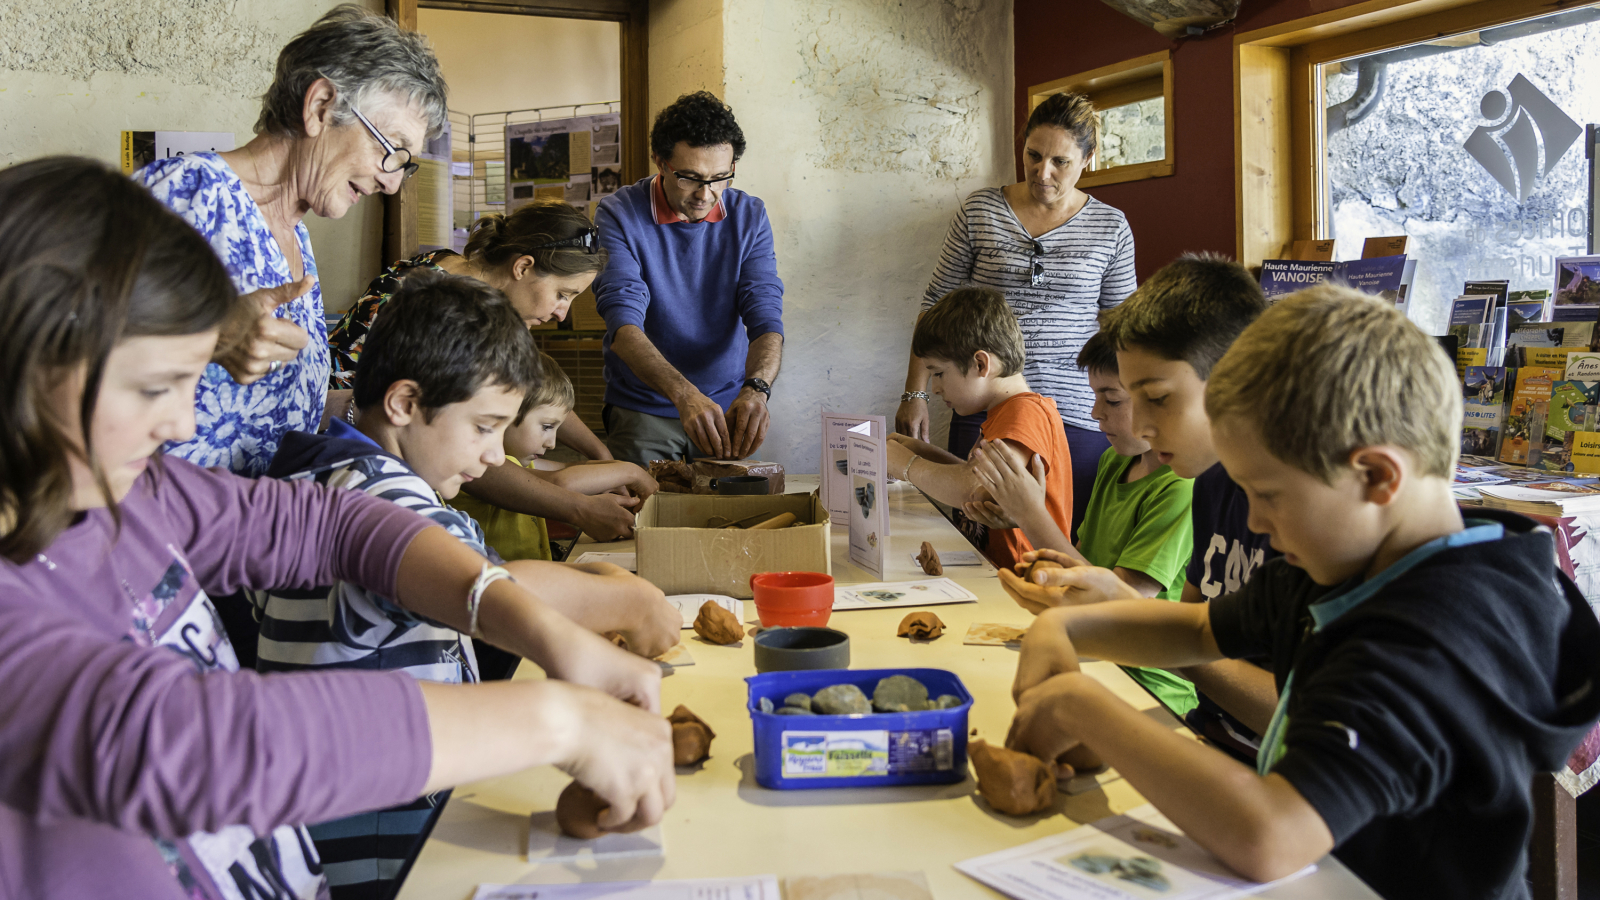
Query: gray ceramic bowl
point(789, 649)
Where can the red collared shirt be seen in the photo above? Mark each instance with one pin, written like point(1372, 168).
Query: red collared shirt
point(666, 215)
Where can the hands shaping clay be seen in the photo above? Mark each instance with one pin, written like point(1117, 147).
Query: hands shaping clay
point(1036, 565)
point(691, 737)
point(928, 559)
point(578, 812)
point(717, 625)
point(1014, 783)
point(923, 626)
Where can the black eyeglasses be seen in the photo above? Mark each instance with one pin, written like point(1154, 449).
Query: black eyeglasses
point(719, 183)
point(589, 240)
point(395, 159)
point(1037, 277)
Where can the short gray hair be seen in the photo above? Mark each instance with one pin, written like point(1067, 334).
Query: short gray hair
point(364, 56)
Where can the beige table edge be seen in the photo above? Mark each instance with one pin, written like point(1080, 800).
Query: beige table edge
point(724, 824)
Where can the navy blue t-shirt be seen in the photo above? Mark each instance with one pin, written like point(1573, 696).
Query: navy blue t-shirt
point(1226, 551)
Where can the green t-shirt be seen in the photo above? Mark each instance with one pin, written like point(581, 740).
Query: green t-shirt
point(1144, 526)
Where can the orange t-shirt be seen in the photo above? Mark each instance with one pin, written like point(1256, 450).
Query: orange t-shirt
point(1032, 421)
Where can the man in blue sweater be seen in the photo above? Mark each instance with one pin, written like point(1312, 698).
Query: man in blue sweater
point(691, 267)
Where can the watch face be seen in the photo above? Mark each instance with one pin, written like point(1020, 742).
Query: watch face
point(758, 384)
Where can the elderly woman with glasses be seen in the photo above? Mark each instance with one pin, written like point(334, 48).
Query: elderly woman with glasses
point(1060, 257)
point(353, 98)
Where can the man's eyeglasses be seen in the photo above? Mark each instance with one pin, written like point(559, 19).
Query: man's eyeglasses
point(718, 183)
point(1037, 276)
point(395, 159)
point(589, 240)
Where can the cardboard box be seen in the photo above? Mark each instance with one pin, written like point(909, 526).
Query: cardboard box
point(679, 554)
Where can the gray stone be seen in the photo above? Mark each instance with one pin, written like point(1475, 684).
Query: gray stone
point(802, 701)
point(765, 703)
point(900, 693)
point(794, 711)
point(841, 700)
point(946, 701)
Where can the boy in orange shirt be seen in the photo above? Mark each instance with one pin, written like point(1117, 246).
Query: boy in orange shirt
point(972, 347)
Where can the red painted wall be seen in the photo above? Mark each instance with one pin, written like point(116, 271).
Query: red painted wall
point(1192, 209)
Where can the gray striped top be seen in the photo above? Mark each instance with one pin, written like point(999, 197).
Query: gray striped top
point(1088, 266)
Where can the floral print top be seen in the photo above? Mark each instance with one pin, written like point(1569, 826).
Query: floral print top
point(350, 335)
point(238, 426)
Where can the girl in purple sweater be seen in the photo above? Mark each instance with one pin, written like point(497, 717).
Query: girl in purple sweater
point(137, 760)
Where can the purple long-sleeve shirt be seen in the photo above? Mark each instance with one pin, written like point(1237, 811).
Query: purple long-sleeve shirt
point(135, 761)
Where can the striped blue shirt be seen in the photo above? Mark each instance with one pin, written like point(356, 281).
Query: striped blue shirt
point(1088, 267)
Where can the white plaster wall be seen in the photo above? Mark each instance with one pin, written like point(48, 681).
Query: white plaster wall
point(76, 73)
point(686, 50)
point(867, 123)
point(497, 63)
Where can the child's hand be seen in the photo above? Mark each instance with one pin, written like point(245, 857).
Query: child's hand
point(589, 660)
point(900, 455)
point(634, 607)
point(1017, 486)
point(624, 755)
point(1047, 651)
point(1066, 587)
point(988, 513)
point(1044, 725)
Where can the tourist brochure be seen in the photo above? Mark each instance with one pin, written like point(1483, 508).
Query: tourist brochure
point(1583, 366)
point(869, 498)
point(1554, 499)
point(1128, 857)
point(1384, 276)
point(835, 480)
point(1483, 410)
point(1577, 281)
point(887, 594)
point(759, 887)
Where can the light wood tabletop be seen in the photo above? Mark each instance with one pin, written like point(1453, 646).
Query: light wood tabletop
point(724, 824)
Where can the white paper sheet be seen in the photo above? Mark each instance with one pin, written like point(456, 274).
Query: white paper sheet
point(629, 561)
point(760, 887)
point(1129, 857)
point(886, 594)
point(547, 844)
point(689, 605)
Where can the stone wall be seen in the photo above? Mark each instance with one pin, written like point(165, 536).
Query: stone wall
point(76, 73)
point(867, 122)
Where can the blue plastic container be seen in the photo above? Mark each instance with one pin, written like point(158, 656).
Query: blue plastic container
point(799, 752)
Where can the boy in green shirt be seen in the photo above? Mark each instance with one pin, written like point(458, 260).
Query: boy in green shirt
point(1137, 522)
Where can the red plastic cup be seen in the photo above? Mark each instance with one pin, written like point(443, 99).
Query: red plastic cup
point(787, 599)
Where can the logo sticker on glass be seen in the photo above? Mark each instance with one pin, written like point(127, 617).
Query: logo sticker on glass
point(1521, 118)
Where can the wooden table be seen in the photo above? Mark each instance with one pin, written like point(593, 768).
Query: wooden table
point(724, 824)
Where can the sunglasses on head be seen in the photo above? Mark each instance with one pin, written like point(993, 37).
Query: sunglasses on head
point(588, 239)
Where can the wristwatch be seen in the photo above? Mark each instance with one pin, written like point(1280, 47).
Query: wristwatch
point(757, 384)
point(913, 395)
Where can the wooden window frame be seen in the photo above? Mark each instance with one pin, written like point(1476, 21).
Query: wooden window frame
point(1116, 85)
point(1276, 102)
point(400, 210)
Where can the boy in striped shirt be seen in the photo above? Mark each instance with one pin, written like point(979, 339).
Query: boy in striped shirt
point(447, 368)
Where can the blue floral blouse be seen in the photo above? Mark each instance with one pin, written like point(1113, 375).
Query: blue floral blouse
point(238, 426)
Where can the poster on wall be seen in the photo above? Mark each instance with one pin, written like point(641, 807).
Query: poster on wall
point(576, 160)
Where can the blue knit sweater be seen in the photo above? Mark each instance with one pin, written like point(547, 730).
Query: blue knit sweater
point(692, 288)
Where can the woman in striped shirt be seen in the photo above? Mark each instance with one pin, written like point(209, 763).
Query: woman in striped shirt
point(1060, 257)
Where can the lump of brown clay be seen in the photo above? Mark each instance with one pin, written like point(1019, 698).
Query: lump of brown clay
point(578, 812)
point(1014, 783)
point(717, 625)
point(928, 559)
point(1036, 565)
point(924, 626)
point(615, 637)
point(691, 737)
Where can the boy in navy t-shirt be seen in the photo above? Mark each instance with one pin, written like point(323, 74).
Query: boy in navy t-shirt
point(1428, 666)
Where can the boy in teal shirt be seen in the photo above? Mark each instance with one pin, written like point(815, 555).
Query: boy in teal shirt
point(1137, 523)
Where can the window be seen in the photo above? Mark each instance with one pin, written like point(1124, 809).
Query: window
point(1472, 145)
point(1133, 100)
point(1458, 123)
